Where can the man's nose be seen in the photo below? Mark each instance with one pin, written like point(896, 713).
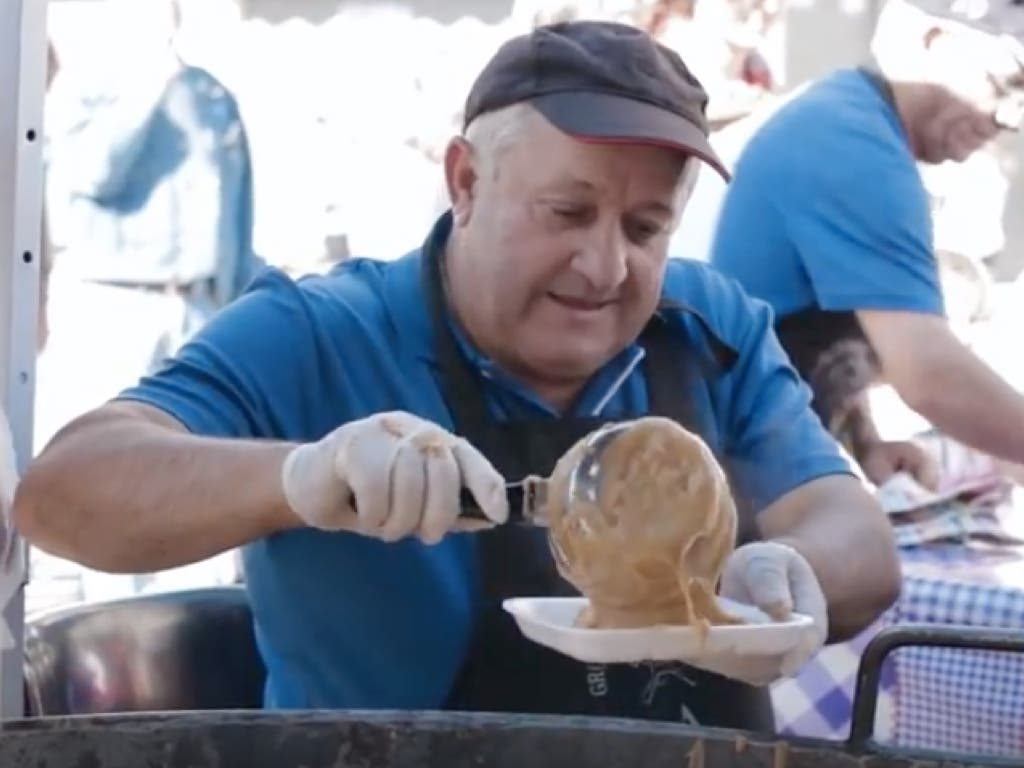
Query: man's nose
point(601, 259)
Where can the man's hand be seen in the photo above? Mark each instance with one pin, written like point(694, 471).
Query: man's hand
point(389, 476)
point(881, 460)
point(777, 579)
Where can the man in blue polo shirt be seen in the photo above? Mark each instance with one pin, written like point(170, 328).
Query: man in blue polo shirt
point(328, 425)
point(827, 220)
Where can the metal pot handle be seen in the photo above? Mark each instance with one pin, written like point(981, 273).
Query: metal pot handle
point(865, 698)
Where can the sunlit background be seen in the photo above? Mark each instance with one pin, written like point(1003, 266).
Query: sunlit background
point(347, 106)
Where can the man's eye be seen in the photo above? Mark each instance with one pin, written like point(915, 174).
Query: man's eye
point(571, 212)
point(641, 231)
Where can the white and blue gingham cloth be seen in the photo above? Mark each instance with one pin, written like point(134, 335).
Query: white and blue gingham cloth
point(818, 702)
point(952, 700)
point(963, 564)
point(956, 699)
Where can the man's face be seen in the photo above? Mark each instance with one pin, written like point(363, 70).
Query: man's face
point(567, 244)
point(979, 82)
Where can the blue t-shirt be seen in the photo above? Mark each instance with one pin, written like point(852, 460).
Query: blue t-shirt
point(827, 210)
point(345, 621)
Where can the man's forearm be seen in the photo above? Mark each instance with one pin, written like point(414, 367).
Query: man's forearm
point(965, 399)
point(944, 381)
point(840, 530)
point(123, 494)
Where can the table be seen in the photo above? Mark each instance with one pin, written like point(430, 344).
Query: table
point(934, 698)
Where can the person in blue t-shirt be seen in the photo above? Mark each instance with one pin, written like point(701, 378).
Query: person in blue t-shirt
point(328, 425)
point(827, 219)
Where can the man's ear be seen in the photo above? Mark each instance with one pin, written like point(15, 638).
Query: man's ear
point(460, 176)
point(931, 36)
point(943, 49)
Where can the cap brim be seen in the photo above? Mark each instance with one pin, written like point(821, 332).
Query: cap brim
point(606, 118)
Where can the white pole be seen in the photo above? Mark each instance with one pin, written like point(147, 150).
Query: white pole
point(22, 86)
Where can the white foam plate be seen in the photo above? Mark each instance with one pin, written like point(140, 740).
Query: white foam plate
point(550, 621)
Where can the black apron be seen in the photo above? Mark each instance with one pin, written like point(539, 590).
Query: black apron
point(505, 672)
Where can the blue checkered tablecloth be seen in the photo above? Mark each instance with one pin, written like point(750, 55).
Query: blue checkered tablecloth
point(933, 698)
point(818, 702)
point(961, 700)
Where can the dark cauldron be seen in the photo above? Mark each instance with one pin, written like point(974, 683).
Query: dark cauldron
point(96, 661)
point(413, 740)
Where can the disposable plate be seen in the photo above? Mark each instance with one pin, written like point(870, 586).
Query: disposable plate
point(550, 621)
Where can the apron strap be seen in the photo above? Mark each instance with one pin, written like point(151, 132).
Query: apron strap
point(462, 388)
point(674, 369)
point(675, 372)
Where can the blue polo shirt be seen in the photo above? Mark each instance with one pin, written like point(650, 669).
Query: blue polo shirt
point(826, 209)
point(345, 621)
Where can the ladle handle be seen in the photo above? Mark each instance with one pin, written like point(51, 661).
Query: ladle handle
point(522, 505)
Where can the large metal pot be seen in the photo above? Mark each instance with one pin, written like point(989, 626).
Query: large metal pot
point(170, 651)
point(218, 739)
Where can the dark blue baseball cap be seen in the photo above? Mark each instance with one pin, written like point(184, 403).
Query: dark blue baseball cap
point(603, 82)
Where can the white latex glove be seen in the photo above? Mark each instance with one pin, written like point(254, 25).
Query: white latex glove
point(778, 580)
point(389, 476)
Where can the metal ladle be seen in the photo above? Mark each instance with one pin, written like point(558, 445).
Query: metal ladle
point(528, 497)
point(585, 479)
